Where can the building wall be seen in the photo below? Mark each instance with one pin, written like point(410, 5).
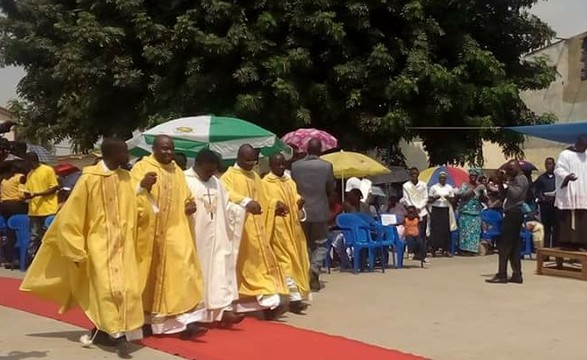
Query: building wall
point(566, 97)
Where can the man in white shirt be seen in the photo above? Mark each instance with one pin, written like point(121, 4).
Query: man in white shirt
point(571, 195)
point(415, 193)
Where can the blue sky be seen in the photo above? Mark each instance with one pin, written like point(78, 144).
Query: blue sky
point(567, 18)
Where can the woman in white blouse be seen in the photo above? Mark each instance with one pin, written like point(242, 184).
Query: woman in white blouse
point(440, 197)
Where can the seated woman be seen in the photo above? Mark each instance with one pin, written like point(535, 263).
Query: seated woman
point(12, 203)
point(394, 207)
point(352, 204)
point(532, 223)
point(335, 236)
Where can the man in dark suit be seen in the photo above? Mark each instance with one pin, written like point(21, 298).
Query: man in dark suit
point(544, 189)
point(315, 180)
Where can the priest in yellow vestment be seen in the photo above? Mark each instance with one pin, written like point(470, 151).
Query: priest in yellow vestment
point(218, 225)
point(286, 234)
point(260, 279)
point(87, 257)
point(168, 264)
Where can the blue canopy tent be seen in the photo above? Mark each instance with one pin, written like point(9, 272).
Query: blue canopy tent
point(566, 133)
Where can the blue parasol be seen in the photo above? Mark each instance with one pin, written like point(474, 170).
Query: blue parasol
point(562, 132)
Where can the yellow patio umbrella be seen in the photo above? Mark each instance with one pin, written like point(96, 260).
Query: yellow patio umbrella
point(348, 164)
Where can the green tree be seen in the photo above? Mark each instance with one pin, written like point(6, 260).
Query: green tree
point(367, 71)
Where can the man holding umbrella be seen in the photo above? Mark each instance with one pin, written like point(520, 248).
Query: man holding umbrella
point(315, 180)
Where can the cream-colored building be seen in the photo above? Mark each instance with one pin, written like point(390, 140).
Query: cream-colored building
point(566, 97)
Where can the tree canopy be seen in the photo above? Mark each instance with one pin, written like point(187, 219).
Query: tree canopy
point(366, 71)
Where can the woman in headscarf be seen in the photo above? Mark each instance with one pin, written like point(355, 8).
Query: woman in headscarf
point(470, 205)
point(441, 215)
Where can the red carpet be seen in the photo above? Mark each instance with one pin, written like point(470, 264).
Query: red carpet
point(251, 340)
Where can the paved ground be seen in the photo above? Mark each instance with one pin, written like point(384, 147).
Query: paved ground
point(26, 336)
point(444, 312)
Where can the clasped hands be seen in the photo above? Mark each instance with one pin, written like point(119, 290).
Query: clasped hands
point(254, 208)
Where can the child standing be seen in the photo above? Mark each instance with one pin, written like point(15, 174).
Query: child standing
point(414, 240)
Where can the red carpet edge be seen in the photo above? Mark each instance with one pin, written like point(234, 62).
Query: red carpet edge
point(251, 340)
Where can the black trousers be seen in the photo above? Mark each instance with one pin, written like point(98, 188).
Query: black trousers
point(422, 227)
point(548, 218)
point(509, 244)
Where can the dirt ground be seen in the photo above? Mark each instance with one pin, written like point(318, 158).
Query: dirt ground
point(444, 312)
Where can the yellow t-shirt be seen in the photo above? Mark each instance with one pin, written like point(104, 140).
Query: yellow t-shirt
point(11, 188)
point(42, 179)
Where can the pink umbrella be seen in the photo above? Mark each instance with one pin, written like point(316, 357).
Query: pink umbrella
point(300, 137)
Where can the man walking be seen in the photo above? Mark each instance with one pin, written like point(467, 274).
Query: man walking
point(88, 255)
point(544, 188)
point(315, 180)
point(169, 267)
point(513, 217)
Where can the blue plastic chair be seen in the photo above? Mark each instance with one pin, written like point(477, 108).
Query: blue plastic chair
point(527, 244)
point(357, 235)
point(3, 234)
point(21, 226)
point(492, 229)
point(384, 236)
point(400, 246)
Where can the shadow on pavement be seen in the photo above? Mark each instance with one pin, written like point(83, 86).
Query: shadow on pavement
point(72, 336)
point(19, 355)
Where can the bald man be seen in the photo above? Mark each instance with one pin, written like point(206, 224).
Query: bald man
point(285, 232)
point(169, 268)
point(315, 181)
point(92, 240)
point(260, 279)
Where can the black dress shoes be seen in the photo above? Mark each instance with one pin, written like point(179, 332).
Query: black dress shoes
point(193, 330)
point(516, 279)
point(497, 280)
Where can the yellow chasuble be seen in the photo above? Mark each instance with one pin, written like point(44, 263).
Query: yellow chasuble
point(286, 235)
point(258, 272)
point(168, 264)
point(88, 257)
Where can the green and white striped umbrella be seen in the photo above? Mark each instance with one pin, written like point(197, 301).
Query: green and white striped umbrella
point(224, 135)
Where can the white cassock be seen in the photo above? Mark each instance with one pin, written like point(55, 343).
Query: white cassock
point(574, 195)
point(218, 230)
point(571, 201)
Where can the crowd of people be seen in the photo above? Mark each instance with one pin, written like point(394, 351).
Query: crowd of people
point(428, 216)
point(27, 187)
point(161, 249)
